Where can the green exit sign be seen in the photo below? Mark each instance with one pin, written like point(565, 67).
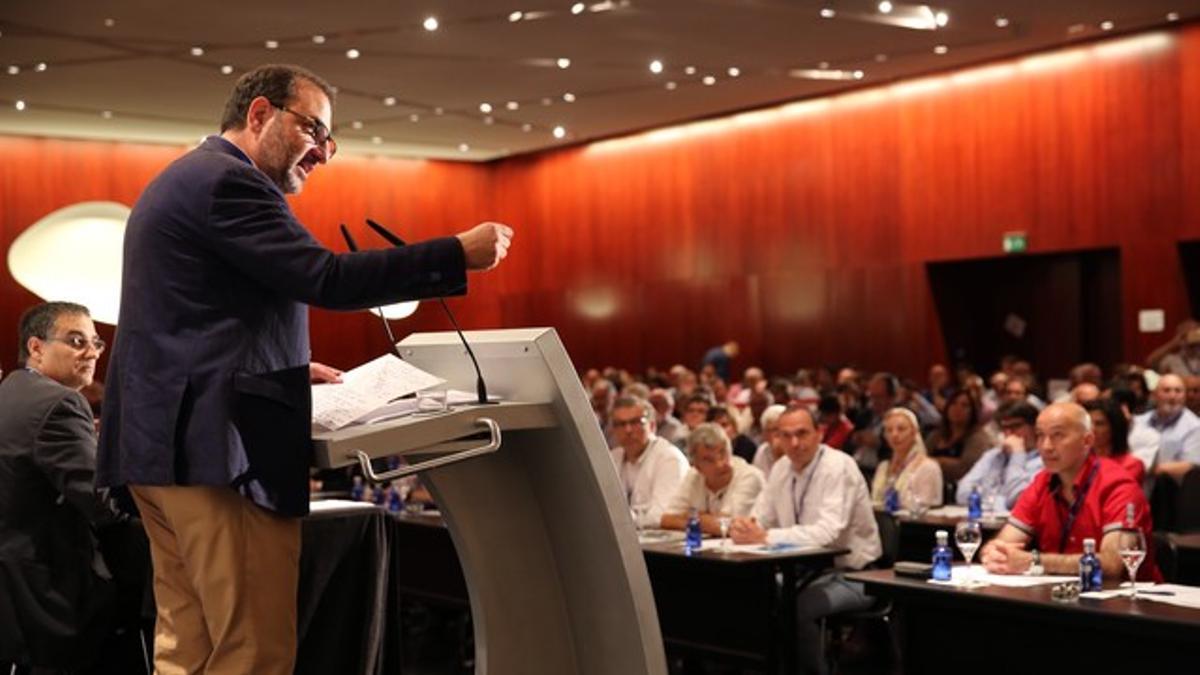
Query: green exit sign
point(1016, 242)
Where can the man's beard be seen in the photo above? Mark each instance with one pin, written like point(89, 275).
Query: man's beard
point(278, 165)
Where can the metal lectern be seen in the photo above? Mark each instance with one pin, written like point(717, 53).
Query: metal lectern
point(557, 581)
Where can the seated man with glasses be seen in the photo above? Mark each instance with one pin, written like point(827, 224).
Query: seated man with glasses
point(56, 591)
point(1008, 468)
point(649, 467)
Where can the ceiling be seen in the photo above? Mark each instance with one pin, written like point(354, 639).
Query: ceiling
point(154, 71)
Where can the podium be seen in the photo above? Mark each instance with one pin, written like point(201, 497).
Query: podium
point(557, 581)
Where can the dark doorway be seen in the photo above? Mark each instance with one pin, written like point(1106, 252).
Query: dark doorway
point(1056, 310)
point(1189, 261)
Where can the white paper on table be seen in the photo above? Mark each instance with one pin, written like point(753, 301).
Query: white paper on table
point(336, 505)
point(1185, 596)
point(957, 511)
point(959, 575)
point(366, 388)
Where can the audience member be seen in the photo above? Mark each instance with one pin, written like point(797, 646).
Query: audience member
point(1185, 359)
point(1077, 496)
point(835, 427)
point(668, 426)
point(1178, 430)
point(1008, 468)
point(718, 483)
point(650, 468)
point(1173, 346)
point(1191, 386)
point(720, 358)
point(742, 445)
point(939, 387)
point(910, 471)
point(771, 449)
point(960, 440)
point(1110, 428)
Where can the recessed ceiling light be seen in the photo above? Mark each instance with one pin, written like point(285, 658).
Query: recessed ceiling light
point(824, 65)
point(40, 67)
point(1106, 25)
point(560, 132)
point(940, 49)
point(512, 105)
point(109, 23)
point(376, 139)
point(827, 13)
point(1172, 16)
point(353, 53)
point(516, 16)
point(563, 63)
point(438, 110)
point(226, 69)
point(389, 101)
point(858, 74)
point(19, 105)
point(14, 69)
point(527, 127)
point(485, 107)
point(356, 124)
point(547, 101)
point(671, 86)
point(271, 44)
point(489, 120)
point(414, 117)
point(689, 70)
point(197, 51)
point(430, 23)
point(1075, 29)
point(656, 66)
point(463, 147)
point(578, 8)
point(709, 80)
point(106, 114)
point(885, 7)
point(569, 97)
point(318, 39)
point(880, 58)
point(734, 71)
point(1001, 22)
point(941, 19)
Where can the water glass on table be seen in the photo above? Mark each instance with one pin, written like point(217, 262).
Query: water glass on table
point(724, 518)
point(968, 535)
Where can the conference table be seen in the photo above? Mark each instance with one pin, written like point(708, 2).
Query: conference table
point(733, 607)
point(946, 628)
point(917, 533)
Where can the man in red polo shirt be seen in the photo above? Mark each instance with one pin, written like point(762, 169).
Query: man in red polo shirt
point(1076, 496)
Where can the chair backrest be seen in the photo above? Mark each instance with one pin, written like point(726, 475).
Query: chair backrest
point(1187, 504)
point(889, 536)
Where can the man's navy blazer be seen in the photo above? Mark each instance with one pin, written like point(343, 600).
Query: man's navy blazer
point(208, 379)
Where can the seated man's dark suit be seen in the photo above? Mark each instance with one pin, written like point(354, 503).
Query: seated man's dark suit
point(55, 591)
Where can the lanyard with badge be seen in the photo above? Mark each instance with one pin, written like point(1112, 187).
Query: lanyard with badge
point(799, 498)
point(1076, 506)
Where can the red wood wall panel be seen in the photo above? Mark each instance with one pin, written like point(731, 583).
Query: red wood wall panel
point(803, 232)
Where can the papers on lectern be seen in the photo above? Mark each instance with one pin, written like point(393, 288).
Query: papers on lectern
point(365, 389)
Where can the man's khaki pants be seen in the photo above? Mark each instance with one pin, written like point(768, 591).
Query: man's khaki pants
point(225, 578)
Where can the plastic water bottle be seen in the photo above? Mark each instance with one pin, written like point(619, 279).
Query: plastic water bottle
point(379, 497)
point(395, 502)
point(1091, 575)
point(694, 539)
point(975, 504)
point(356, 489)
point(891, 500)
point(943, 557)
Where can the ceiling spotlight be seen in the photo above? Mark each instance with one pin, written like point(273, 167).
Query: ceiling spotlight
point(489, 120)
point(106, 114)
point(19, 105)
point(40, 67)
point(689, 70)
point(226, 69)
point(563, 63)
point(430, 23)
point(14, 69)
point(940, 49)
point(318, 39)
point(656, 66)
point(512, 105)
point(569, 97)
point(414, 117)
point(109, 23)
point(1001, 22)
point(709, 80)
point(1076, 28)
point(438, 110)
point(824, 65)
point(527, 127)
point(560, 132)
point(881, 58)
point(485, 108)
point(885, 7)
point(463, 147)
point(516, 16)
point(197, 51)
point(734, 71)
point(578, 8)
point(1172, 16)
point(1106, 25)
point(271, 44)
point(827, 13)
point(353, 53)
point(547, 101)
point(356, 124)
point(376, 139)
point(671, 86)
point(389, 101)
point(941, 19)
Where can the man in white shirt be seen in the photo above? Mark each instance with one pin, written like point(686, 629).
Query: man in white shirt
point(719, 483)
point(815, 496)
point(649, 467)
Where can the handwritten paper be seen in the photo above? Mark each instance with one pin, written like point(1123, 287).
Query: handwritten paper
point(366, 388)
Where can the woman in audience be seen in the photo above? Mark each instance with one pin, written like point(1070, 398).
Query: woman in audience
point(914, 476)
point(1111, 428)
point(742, 445)
point(960, 440)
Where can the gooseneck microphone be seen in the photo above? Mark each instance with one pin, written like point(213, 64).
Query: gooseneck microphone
point(350, 243)
point(480, 386)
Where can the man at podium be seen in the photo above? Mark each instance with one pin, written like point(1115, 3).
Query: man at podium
point(207, 408)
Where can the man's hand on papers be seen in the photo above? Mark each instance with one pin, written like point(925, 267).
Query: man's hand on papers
point(319, 373)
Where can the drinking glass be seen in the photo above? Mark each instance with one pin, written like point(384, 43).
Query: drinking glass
point(724, 519)
point(1131, 544)
point(639, 513)
point(968, 535)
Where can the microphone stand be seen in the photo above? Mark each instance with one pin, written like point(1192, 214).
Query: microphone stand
point(353, 246)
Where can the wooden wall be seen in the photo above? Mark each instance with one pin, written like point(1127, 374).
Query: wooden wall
point(801, 231)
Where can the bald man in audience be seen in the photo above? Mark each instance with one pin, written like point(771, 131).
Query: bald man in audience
point(1084, 392)
point(1178, 430)
point(1077, 496)
point(649, 467)
point(815, 496)
point(718, 484)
